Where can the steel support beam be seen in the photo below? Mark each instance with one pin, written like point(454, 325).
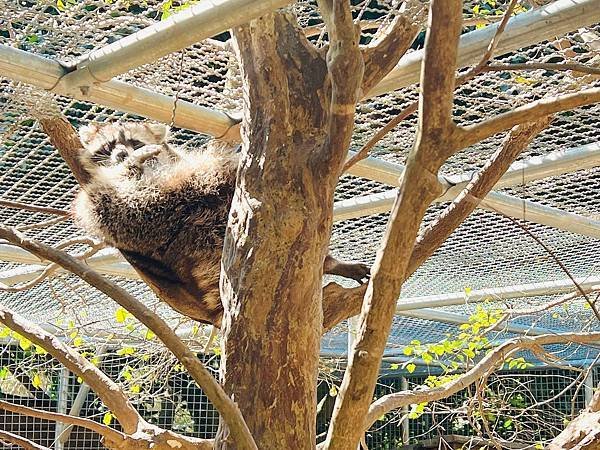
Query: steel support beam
point(198, 22)
point(534, 26)
point(500, 293)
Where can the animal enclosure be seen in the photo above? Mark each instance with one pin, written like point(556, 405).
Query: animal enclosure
point(534, 239)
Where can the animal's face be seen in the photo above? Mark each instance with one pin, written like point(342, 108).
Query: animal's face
point(138, 146)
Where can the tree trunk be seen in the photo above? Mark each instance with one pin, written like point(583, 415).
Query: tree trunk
point(277, 238)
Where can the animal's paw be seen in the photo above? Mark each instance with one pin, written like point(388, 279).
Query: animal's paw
point(357, 271)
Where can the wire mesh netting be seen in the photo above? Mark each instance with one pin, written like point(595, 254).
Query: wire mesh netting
point(487, 251)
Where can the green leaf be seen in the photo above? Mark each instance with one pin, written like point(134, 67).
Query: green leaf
point(24, 343)
point(126, 351)
point(121, 314)
point(107, 419)
point(36, 381)
point(40, 351)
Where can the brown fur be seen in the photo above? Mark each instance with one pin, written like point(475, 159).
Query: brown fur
point(165, 210)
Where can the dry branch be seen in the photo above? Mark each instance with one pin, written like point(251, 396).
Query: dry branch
point(7, 436)
point(108, 391)
point(484, 367)
point(382, 55)
point(66, 140)
point(226, 407)
point(34, 208)
point(420, 186)
point(89, 424)
point(346, 67)
point(433, 236)
point(472, 134)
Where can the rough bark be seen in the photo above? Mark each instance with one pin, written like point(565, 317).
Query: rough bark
point(583, 433)
point(277, 238)
point(420, 186)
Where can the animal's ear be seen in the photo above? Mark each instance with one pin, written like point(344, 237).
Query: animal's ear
point(87, 133)
point(160, 131)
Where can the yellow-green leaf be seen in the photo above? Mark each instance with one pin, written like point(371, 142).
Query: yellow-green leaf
point(135, 388)
point(408, 351)
point(4, 332)
point(24, 343)
point(107, 419)
point(394, 366)
point(126, 374)
point(411, 367)
point(333, 391)
point(78, 341)
point(121, 314)
point(149, 335)
point(36, 381)
point(40, 351)
point(126, 351)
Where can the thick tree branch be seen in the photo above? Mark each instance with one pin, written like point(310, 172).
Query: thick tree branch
point(226, 407)
point(108, 391)
point(89, 424)
point(6, 436)
point(385, 51)
point(434, 235)
point(66, 140)
point(420, 186)
point(345, 66)
point(484, 367)
point(472, 134)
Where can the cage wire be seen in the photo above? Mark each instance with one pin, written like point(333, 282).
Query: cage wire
point(487, 251)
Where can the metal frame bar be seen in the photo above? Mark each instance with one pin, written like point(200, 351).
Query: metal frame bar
point(192, 25)
point(458, 319)
point(553, 164)
point(536, 25)
point(500, 293)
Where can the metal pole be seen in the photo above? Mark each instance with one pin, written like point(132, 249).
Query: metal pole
point(588, 385)
point(62, 400)
point(500, 293)
point(405, 422)
point(194, 24)
point(536, 25)
point(458, 319)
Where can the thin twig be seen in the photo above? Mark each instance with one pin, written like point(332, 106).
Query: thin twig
point(412, 108)
point(7, 436)
point(102, 430)
point(581, 68)
point(34, 208)
point(44, 224)
point(558, 261)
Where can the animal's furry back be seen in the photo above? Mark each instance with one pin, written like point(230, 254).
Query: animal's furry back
point(169, 222)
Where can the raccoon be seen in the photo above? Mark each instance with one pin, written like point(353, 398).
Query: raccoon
point(165, 210)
